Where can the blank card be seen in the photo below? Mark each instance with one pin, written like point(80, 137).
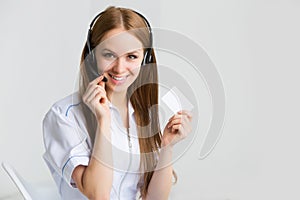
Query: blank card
point(176, 100)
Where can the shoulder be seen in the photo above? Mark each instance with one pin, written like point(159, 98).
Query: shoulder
point(67, 108)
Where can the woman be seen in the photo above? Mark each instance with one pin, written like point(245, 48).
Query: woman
point(104, 142)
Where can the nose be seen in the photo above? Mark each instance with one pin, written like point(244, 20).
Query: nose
point(119, 65)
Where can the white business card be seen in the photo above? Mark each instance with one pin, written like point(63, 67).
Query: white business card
point(176, 101)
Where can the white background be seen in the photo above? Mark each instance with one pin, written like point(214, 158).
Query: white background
point(254, 45)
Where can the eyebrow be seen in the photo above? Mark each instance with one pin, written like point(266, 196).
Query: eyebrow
point(135, 51)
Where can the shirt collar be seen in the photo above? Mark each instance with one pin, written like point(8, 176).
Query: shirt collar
point(130, 108)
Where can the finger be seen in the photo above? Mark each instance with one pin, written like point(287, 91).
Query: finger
point(185, 119)
point(176, 116)
point(182, 131)
point(91, 86)
point(102, 81)
point(174, 121)
point(97, 80)
point(100, 97)
point(176, 127)
point(89, 90)
point(94, 82)
point(170, 122)
point(185, 112)
point(103, 99)
point(187, 127)
point(180, 114)
point(98, 89)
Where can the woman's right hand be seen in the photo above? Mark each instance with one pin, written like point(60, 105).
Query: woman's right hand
point(95, 98)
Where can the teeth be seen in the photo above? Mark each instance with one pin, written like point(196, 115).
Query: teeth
point(118, 78)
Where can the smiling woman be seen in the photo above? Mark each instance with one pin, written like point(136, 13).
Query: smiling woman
point(104, 141)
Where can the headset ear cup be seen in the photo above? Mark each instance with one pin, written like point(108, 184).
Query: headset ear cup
point(147, 57)
point(91, 66)
point(144, 59)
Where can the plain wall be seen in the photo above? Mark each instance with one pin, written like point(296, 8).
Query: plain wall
point(254, 45)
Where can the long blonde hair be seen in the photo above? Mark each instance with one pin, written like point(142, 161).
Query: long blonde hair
point(143, 92)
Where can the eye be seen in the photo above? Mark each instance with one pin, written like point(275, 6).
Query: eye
point(132, 57)
point(108, 55)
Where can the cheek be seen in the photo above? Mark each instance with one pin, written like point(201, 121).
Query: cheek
point(135, 69)
point(104, 65)
point(135, 66)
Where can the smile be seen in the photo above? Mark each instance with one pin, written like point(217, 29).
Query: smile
point(118, 78)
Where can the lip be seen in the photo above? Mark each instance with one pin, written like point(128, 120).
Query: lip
point(118, 82)
point(117, 76)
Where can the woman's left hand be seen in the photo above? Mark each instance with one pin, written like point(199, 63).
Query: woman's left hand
point(178, 127)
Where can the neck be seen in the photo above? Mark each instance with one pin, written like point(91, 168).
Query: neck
point(118, 99)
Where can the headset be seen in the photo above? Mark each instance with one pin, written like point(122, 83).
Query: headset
point(90, 59)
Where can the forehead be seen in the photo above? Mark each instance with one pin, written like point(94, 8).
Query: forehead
point(120, 41)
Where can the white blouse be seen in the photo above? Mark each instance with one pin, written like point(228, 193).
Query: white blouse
point(68, 145)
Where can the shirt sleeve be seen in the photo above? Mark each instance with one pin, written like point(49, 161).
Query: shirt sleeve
point(65, 143)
